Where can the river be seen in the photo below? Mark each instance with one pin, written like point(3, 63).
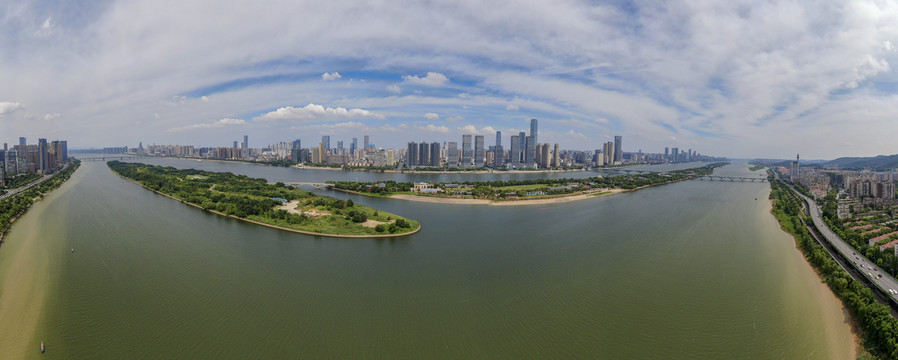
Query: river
point(695, 269)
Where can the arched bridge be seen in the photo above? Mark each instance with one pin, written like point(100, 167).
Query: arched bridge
point(728, 178)
point(103, 158)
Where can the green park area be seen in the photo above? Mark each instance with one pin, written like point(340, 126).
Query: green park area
point(274, 205)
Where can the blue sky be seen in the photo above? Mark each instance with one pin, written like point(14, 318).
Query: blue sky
point(735, 78)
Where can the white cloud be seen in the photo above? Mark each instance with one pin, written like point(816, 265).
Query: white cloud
point(464, 95)
point(576, 134)
point(45, 30)
point(315, 112)
point(393, 88)
point(217, 124)
point(455, 119)
point(434, 128)
point(512, 107)
point(432, 116)
point(8, 107)
point(331, 76)
point(471, 129)
point(51, 116)
point(432, 79)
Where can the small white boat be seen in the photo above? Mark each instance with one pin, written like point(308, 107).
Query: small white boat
point(43, 348)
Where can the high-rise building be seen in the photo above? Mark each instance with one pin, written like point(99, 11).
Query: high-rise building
point(545, 159)
point(339, 144)
point(618, 149)
point(353, 146)
point(479, 152)
point(435, 154)
point(674, 154)
point(367, 144)
point(411, 156)
point(22, 140)
point(64, 150)
point(235, 144)
point(514, 152)
point(452, 154)
point(326, 143)
point(322, 153)
point(608, 153)
point(795, 171)
point(523, 138)
point(666, 153)
point(534, 131)
point(424, 154)
point(467, 154)
point(44, 150)
point(498, 138)
point(498, 156)
point(297, 144)
point(245, 141)
point(556, 156)
point(530, 157)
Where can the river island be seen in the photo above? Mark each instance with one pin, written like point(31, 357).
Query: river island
point(519, 192)
point(274, 205)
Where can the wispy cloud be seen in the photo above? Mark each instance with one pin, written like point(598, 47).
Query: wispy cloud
point(315, 112)
point(331, 76)
point(8, 107)
point(216, 124)
point(431, 79)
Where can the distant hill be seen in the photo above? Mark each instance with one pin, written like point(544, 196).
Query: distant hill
point(881, 162)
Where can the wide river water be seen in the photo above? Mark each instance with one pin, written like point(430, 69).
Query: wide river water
point(691, 270)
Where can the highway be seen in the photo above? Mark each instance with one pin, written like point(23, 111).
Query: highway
point(864, 265)
point(31, 184)
point(26, 187)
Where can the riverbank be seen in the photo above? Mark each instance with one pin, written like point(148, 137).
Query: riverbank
point(874, 320)
point(26, 263)
point(405, 171)
point(505, 202)
point(307, 232)
point(12, 207)
point(523, 202)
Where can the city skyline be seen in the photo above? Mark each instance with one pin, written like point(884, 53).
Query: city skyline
point(103, 74)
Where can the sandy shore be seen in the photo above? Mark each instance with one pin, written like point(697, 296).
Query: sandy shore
point(556, 200)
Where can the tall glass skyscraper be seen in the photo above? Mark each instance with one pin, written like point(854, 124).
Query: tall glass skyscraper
point(618, 152)
point(534, 131)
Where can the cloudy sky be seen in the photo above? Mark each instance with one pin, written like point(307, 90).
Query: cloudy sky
point(734, 78)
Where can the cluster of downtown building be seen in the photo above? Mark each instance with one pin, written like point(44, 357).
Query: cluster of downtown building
point(524, 151)
point(41, 158)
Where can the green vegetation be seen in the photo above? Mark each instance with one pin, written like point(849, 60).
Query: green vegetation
point(756, 167)
point(502, 189)
point(14, 206)
point(880, 329)
point(253, 199)
point(14, 182)
point(885, 260)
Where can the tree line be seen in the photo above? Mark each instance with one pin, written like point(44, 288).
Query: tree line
point(13, 207)
point(880, 329)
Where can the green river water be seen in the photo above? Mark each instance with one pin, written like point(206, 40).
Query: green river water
point(692, 270)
